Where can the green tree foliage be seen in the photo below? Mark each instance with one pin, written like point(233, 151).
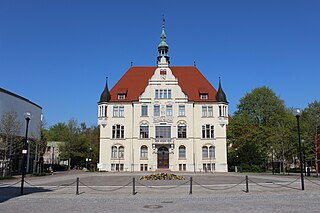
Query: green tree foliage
point(80, 142)
point(254, 129)
point(58, 132)
point(311, 132)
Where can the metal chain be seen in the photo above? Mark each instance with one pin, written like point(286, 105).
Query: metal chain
point(101, 190)
point(205, 187)
point(163, 187)
point(313, 182)
point(61, 186)
point(278, 186)
point(9, 185)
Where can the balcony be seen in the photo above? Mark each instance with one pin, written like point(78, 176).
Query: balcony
point(162, 141)
point(223, 121)
point(102, 121)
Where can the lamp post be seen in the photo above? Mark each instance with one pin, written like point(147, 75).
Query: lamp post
point(297, 113)
point(52, 161)
point(27, 116)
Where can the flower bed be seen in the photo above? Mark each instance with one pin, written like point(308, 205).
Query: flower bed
point(162, 176)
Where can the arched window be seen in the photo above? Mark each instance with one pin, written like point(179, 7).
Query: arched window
point(204, 152)
point(212, 152)
point(144, 131)
point(182, 131)
point(182, 152)
point(144, 152)
point(114, 150)
point(121, 152)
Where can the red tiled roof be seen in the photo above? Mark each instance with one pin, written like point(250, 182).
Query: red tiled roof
point(190, 79)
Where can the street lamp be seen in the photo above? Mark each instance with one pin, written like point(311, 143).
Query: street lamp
point(52, 155)
point(27, 116)
point(297, 113)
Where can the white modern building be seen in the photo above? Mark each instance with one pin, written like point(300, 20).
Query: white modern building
point(167, 118)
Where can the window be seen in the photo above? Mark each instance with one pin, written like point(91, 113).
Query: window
point(182, 152)
point(220, 111)
point(207, 111)
point(156, 110)
point(118, 131)
point(163, 132)
point(169, 93)
point(144, 131)
point(118, 111)
point(210, 111)
point(182, 167)
point(204, 111)
point(143, 167)
point(121, 96)
point(114, 151)
point(209, 167)
point(203, 96)
point(121, 152)
point(117, 167)
point(204, 152)
point(212, 153)
point(144, 110)
point(162, 93)
point(182, 111)
point(182, 131)
point(207, 131)
point(144, 152)
point(169, 110)
point(115, 111)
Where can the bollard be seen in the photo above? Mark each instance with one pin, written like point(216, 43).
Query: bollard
point(247, 184)
point(77, 187)
point(134, 186)
point(190, 192)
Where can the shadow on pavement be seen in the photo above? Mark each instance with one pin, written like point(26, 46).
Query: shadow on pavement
point(7, 193)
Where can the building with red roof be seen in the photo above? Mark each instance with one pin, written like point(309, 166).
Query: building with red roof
point(163, 118)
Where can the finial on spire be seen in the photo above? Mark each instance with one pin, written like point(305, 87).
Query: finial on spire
point(163, 47)
point(131, 64)
point(194, 63)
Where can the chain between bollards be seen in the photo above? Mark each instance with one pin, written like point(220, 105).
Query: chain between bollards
point(133, 186)
point(247, 184)
point(190, 192)
point(77, 187)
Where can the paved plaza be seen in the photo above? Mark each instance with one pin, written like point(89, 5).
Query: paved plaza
point(115, 192)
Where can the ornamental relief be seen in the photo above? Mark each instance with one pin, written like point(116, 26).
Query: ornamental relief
point(163, 119)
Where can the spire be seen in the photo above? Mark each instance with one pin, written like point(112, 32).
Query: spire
point(163, 47)
point(221, 96)
point(105, 95)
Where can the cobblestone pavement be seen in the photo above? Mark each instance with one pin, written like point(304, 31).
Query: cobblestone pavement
point(106, 192)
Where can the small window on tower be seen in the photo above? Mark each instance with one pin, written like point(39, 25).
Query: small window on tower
point(163, 72)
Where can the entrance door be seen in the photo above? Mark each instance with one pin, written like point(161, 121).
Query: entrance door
point(163, 158)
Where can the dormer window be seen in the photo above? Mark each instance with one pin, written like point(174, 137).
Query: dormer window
point(121, 96)
point(203, 96)
point(122, 93)
point(203, 93)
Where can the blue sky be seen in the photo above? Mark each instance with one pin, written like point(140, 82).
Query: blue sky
point(58, 53)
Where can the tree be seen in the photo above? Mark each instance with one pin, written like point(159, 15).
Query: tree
point(254, 129)
point(80, 142)
point(9, 143)
point(311, 128)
